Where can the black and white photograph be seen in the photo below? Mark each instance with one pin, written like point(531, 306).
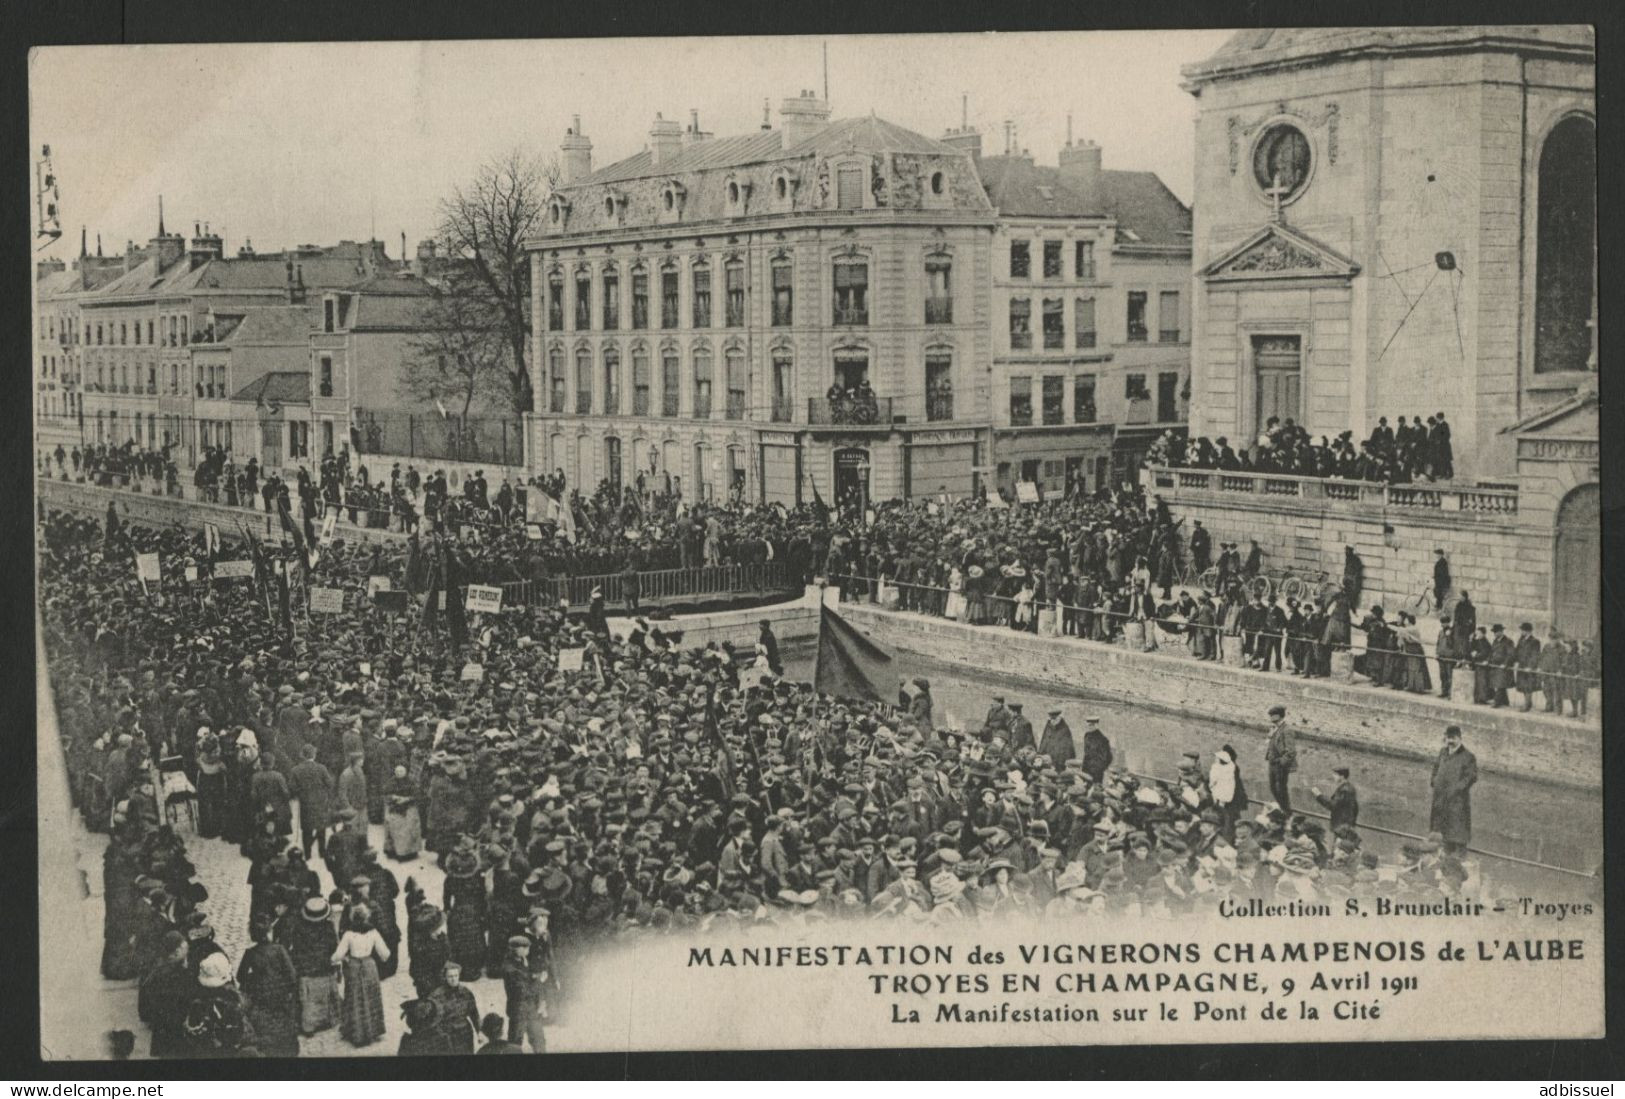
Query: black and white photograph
point(817, 542)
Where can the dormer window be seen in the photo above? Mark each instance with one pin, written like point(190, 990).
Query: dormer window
point(669, 200)
point(733, 194)
point(558, 211)
point(672, 195)
point(936, 183)
point(781, 188)
point(609, 207)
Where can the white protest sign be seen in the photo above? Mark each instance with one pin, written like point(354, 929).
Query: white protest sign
point(1026, 492)
point(146, 566)
point(483, 598)
point(229, 570)
point(571, 660)
point(533, 531)
point(376, 584)
point(327, 600)
point(191, 573)
point(473, 673)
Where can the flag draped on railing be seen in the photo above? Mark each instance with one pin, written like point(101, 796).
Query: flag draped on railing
point(849, 664)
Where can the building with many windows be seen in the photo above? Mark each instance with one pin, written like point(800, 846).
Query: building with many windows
point(59, 346)
point(1091, 336)
point(698, 303)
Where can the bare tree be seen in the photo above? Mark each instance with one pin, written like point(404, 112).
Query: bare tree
point(460, 355)
point(484, 226)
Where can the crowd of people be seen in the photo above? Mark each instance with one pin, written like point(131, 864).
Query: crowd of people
point(650, 792)
point(1408, 452)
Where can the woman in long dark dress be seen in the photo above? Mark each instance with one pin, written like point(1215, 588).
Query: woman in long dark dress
point(270, 986)
point(361, 1020)
point(211, 789)
point(465, 903)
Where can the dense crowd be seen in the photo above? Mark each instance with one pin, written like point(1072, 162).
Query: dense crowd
point(649, 792)
point(1402, 454)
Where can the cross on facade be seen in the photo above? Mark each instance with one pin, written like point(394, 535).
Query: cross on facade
point(1276, 191)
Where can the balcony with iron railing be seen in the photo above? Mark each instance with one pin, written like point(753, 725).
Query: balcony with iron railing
point(849, 412)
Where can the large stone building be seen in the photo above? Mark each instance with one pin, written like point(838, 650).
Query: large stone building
point(59, 344)
point(1090, 299)
point(695, 302)
point(1402, 221)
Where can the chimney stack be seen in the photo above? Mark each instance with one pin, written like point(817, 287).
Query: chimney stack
point(802, 116)
point(767, 115)
point(205, 246)
point(966, 138)
point(167, 248)
point(575, 153)
point(1080, 162)
point(665, 140)
point(694, 135)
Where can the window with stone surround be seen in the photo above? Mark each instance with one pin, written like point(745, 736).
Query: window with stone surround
point(612, 381)
point(583, 301)
point(1084, 259)
point(612, 300)
point(1021, 264)
point(640, 298)
point(734, 367)
point(1168, 316)
point(700, 287)
point(1021, 400)
point(851, 291)
point(670, 381)
point(555, 371)
point(1136, 329)
point(939, 386)
point(1566, 250)
point(640, 381)
point(1054, 399)
point(555, 302)
point(1054, 324)
point(1083, 322)
point(1052, 259)
point(669, 307)
point(1021, 323)
point(783, 295)
point(583, 381)
point(733, 276)
point(1083, 399)
point(784, 387)
point(939, 299)
point(702, 383)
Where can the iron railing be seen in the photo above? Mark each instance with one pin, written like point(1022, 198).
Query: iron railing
point(658, 586)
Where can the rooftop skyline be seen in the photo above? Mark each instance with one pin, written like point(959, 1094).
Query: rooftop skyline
point(292, 144)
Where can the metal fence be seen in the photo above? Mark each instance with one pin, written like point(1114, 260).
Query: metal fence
point(660, 586)
point(495, 440)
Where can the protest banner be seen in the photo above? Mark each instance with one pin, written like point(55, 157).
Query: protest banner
point(327, 600)
point(473, 673)
point(233, 570)
point(391, 601)
point(483, 598)
point(572, 660)
point(376, 584)
point(146, 567)
point(1026, 492)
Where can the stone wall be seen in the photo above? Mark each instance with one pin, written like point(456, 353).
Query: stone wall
point(1565, 753)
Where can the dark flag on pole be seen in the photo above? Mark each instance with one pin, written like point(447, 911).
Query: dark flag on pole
point(849, 664)
point(283, 602)
point(456, 619)
point(725, 759)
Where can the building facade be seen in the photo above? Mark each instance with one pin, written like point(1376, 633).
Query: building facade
point(695, 303)
point(1090, 308)
point(1395, 221)
point(1402, 221)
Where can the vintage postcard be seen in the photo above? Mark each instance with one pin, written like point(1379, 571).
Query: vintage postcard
point(644, 544)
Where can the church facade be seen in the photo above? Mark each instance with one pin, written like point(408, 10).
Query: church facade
point(1402, 222)
point(1394, 222)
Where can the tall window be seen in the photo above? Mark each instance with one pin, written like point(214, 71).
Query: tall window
point(555, 369)
point(186, 324)
point(1167, 397)
point(1134, 387)
point(849, 188)
point(555, 302)
point(702, 383)
point(150, 340)
point(640, 298)
point(670, 380)
point(1083, 399)
point(783, 387)
point(1136, 316)
point(668, 298)
point(734, 361)
point(1021, 400)
point(138, 344)
point(612, 300)
point(325, 376)
point(1054, 398)
point(1083, 322)
point(1054, 324)
point(640, 382)
point(939, 301)
point(583, 301)
point(734, 282)
point(701, 277)
point(1052, 259)
point(327, 314)
point(852, 291)
point(939, 386)
point(1168, 316)
point(1021, 263)
point(612, 382)
point(783, 295)
point(1021, 323)
point(583, 381)
point(1084, 259)
point(1566, 249)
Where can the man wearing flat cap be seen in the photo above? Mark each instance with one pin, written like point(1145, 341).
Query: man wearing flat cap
point(523, 991)
point(1281, 756)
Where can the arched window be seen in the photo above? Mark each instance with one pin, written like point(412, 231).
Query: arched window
point(702, 383)
point(1566, 250)
point(612, 381)
point(555, 370)
point(583, 381)
point(640, 381)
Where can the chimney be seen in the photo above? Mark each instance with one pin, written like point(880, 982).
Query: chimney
point(802, 116)
point(1080, 163)
point(205, 246)
point(665, 139)
point(693, 135)
point(247, 250)
point(48, 267)
point(296, 283)
point(132, 256)
point(575, 153)
point(767, 115)
point(967, 139)
point(426, 257)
